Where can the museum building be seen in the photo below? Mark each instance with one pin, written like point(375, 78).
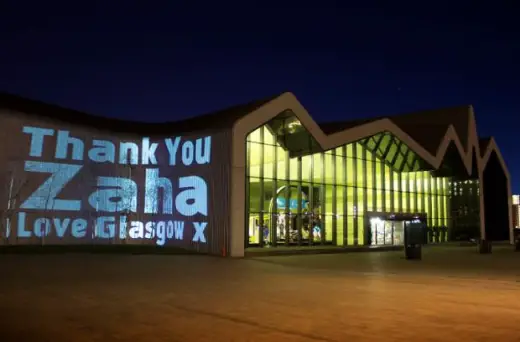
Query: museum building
point(264, 174)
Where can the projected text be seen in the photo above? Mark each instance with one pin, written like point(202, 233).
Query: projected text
point(149, 206)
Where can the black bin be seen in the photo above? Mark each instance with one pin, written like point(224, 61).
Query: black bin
point(414, 239)
point(413, 252)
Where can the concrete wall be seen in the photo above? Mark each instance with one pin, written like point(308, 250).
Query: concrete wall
point(83, 211)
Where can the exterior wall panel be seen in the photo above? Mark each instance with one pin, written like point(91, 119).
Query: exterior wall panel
point(199, 190)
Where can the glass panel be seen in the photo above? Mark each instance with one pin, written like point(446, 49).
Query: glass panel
point(293, 169)
point(410, 161)
point(392, 152)
point(397, 192)
point(255, 157)
point(360, 174)
point(370, 171)
point(268, 196)
point(350, 201)
point(419, 180)
point(434, 202)
point(268, 136)
point(329, 169)
point(351, 167)
point(427, 184)
point(280, 164)
point(379, 186)
point(329, 210)
point(369, 174)
point(361, 231)
point(372, 142)
point(255, 194)
point(379, 200)
point(445, 199)
point(359, 212)
point(384, 144)
point(340, 166)
point(439, 201)
point(254, 136)
point(359, 209)
point(317, 167)
point(427, 200)
point(388, 186)
point(339, 200)
point(339, 215)
point(329, 196)
point(328, 228)
point(398, 233)
point(269, 151)
point(404, 192)
point(412, 191)
point(350, 230)
point(399, 162)
point(340, 230)
point(306, 168)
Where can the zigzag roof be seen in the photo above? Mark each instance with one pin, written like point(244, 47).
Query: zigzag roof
point(426, 127)
point(427, 133)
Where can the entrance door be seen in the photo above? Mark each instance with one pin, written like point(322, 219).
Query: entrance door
point(386, 232)
point(389, 232)
point(398, 232)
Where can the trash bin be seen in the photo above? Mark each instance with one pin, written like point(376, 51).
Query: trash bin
point(413, 251)
point(414, 239)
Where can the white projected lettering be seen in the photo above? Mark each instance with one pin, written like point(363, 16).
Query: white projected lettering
point(45, 196)
point(153, 205)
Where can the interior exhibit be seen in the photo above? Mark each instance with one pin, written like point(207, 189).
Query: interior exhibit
point(362, 193)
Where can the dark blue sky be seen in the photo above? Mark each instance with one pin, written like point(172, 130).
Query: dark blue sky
point(174, 61)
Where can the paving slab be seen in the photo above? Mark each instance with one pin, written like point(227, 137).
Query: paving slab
point(453, 294)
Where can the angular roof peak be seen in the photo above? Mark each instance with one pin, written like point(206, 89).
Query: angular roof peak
point(427, 127)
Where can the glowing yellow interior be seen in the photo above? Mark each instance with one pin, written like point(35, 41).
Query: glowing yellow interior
point(347, 175)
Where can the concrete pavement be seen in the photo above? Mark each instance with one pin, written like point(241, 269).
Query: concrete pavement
point(453, 294)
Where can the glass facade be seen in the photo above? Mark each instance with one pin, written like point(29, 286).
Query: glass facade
point(465, 209)
point(299, 195)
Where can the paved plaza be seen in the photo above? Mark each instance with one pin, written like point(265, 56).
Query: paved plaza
point(453, 294)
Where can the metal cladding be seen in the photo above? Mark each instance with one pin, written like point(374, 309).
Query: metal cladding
point(66, 182)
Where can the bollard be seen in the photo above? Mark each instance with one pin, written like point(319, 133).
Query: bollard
point(484, 247)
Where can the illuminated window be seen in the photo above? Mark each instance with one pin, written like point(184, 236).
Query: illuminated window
point(327, 195)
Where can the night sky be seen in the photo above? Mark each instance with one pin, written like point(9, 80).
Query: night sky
point(170, 62)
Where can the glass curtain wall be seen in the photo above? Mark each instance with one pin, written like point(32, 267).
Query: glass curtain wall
point(465, 208)
point(323, 197)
